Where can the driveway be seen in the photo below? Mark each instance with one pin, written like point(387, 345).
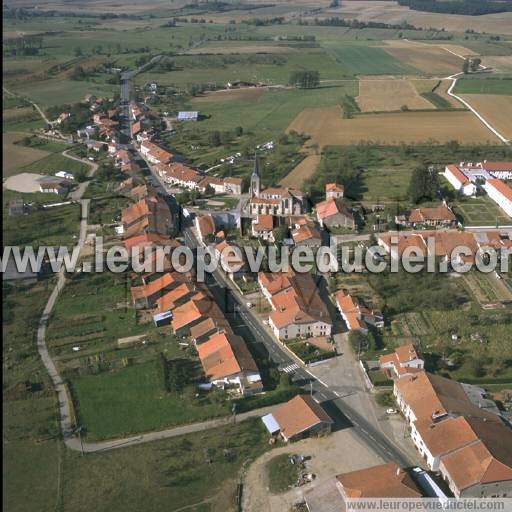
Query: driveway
point(339, 452)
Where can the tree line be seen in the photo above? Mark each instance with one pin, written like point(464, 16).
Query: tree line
point(468, 7)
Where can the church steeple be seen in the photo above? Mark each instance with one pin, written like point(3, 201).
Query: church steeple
point(255, 178)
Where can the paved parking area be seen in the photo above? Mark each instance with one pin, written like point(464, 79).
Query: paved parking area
point(24, 182)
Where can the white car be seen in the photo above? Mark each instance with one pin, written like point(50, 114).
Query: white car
point(249, 305)
point(391, 411)
point(76, 349)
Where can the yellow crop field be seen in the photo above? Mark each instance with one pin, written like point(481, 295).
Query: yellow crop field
point(496, 109)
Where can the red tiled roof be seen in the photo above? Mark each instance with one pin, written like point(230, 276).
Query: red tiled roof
point(298, 415)
point(385, 481)
point(501, 187)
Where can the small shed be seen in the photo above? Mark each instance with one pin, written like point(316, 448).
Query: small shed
point(188, 116)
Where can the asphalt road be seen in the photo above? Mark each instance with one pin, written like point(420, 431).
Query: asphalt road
point(257, 336)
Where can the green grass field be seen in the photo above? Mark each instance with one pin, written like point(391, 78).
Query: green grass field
point(273, 111)
point(368, 60)
point(55, 162)
point(133, 400)
point(484, 86)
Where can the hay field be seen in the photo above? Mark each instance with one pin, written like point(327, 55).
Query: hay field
point(501, 64)
point(385, 95)
point(496, 109)
point(326, 126)
point(306, 168)
point(16, 156)
point(430, 59)
point(250, 94)
point(391, 12)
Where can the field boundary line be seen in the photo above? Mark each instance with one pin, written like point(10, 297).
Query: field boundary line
point(454, 79)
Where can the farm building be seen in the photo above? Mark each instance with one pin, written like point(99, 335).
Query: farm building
point(53, 185)
point(500, 193)
point(188, 116)
point(459, 181)
point(300, 417)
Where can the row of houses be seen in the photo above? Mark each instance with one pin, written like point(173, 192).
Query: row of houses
point(176, 173)
point(455, 428)
point(297, 308)
point(442, 243)
point(176, 298)
point(420, 218)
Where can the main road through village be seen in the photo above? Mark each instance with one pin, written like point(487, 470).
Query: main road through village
point(348, 408)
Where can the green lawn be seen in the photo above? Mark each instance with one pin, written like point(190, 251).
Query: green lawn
point(199, 471)
point(55, 162)
point(484, 86)
point(134, 399)
point(52, 227)
point(281, 474)
point(272, 113)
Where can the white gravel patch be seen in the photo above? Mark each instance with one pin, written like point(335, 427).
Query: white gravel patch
point(24, 182)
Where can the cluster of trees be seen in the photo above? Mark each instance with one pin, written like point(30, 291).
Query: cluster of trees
point(349, 106)
point(305, 79)
point(353, 23)
point(468, 7)
point(363, 342)
point(260, 22)
point(335, 167)
point(399, 290)
point(471, 65)
point(23, 45)
point(424, 185)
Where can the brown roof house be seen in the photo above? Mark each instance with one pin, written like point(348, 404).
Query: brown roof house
point(333, 213)
point(299, 417)
point(438, 217)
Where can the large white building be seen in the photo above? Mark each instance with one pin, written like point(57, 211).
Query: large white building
point(500, 193)
point(459, 181)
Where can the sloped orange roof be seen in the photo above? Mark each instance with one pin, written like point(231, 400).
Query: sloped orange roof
point(194, 310)
point(384, 481)
point(148, 240)
point(501, 187)
point(206, 225)
point(304, 233)
point(475, 464)
point(225, 354)
point(332, 206)
point(208, 325)
point(167, 301)
point(334, 187)
point(265, 223)
point(458, 174)
point(439, 213)
point(496, 166)
point(298, 303)
point(299, 414)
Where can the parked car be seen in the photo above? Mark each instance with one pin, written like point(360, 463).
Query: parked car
point(391, 411)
